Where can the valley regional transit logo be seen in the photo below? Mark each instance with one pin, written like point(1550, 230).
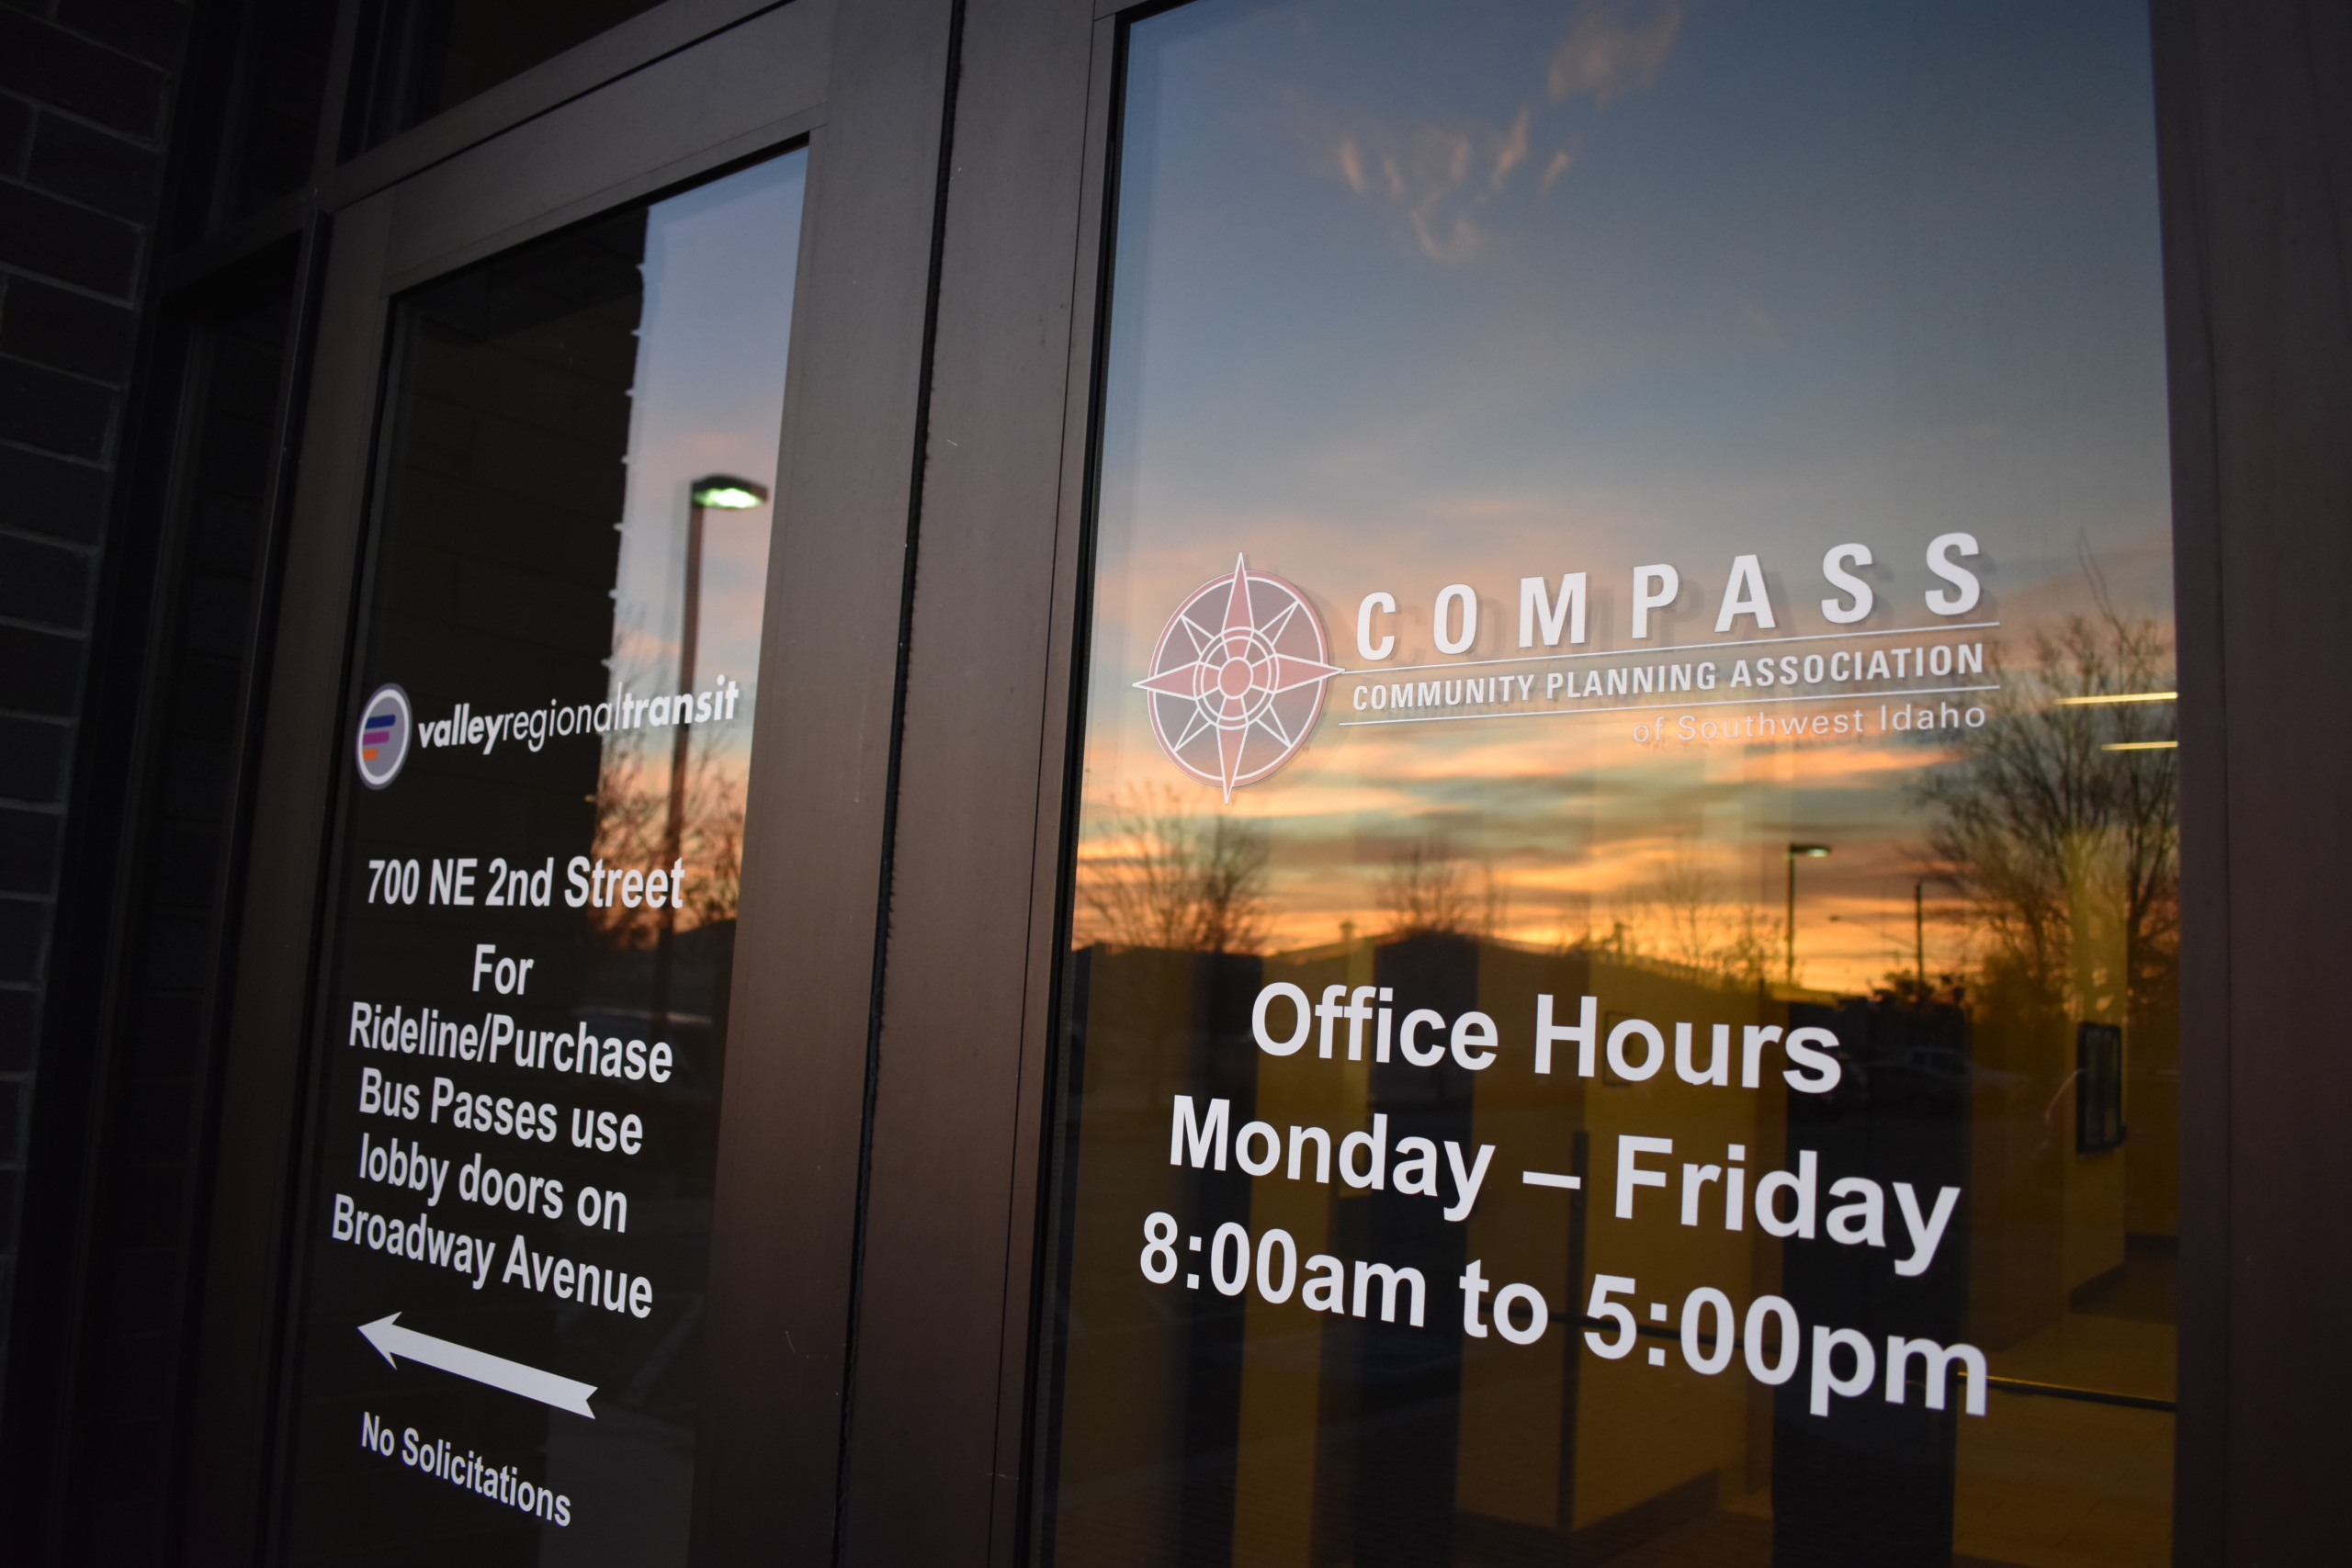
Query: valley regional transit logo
point(386, 728)
point(1236, 680)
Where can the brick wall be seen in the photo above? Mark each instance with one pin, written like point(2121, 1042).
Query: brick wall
point(84, 91)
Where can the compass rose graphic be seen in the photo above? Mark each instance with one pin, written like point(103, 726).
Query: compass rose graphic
point(1236, 680)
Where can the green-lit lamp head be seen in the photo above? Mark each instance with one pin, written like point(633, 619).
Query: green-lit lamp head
point(725, 493)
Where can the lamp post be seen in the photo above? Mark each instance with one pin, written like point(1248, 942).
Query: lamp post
point(723, 492)
point(1919, 935)
point(1797, 853)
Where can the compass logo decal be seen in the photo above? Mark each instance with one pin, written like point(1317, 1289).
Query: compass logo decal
point(1236, 682)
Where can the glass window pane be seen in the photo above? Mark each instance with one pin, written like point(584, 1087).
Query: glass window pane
point(424, 56)
point(533, 922)
point(1622, 1002)
point(274, 143)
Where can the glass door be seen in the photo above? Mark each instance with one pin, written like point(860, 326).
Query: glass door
point(532, 904)
point(1620, 998)
point(534, 1230)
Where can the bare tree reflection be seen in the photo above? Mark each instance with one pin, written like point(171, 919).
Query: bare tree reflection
point(2057, 822)
point(1750, 947)
point(632, 829)
point(2060, 823)
point(1685, 917)
point(1685, 901)
point(1494, 903)
point(1160, 876)
point(1424, 891)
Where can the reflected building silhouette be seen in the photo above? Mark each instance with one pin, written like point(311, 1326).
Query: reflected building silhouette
point(1163, 1372)
point(1876, 1486)
point(1386, 1471)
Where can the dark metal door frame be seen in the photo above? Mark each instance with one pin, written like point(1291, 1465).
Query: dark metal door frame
point(2254, 137)
point(865, 85)
point(948, 1300)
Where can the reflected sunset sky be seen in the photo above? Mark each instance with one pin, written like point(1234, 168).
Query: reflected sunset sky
point(1408, 296)
point(709, 399)
point(706, 401)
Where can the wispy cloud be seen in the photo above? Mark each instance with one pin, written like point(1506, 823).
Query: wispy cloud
point(1562, 161)
point(1513, 151)
point(1351, 166)
point(1606, 56)
point(1436, 180)
point(1444, 182)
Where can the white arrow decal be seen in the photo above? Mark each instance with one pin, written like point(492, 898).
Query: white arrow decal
point(391, 1340)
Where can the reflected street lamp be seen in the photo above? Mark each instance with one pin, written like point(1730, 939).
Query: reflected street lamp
point(722, 493)
point(729, 493)
point(1797, 853)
